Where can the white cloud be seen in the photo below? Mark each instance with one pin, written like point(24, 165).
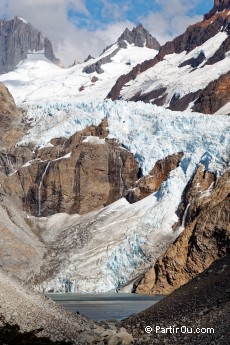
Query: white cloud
point(172, 19)
point(113, 10)
point(70, 42)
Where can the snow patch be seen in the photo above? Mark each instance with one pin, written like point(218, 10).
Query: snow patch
point(94, 140)
point(167, 73)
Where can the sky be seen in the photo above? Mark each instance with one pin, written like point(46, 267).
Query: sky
point(78, 28)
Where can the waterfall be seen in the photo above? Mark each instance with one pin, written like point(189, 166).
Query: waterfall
point(185, 216)
point(181, 228)
point(121, 179)
point(39, 188)
point(9, 163)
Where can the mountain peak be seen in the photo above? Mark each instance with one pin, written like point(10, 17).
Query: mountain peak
point(18, 38)
point(219, 6)
point(21, 19)
point(140, 37)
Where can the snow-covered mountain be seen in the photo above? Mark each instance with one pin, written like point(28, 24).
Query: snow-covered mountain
point(35, 79)
point(19, 38)
point(79, 154)
point(191, 72)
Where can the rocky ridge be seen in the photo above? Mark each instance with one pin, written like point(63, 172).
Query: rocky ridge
point(17, 39)
point(219, 6)
point(195, 36)
point(205, 239)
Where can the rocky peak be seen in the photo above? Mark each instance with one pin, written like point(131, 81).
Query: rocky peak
point(89, 57)
point(219, 6)
point(17, 38)
point(140, 37)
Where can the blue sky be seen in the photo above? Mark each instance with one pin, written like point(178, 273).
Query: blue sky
point(77, 28)
point(101, 13)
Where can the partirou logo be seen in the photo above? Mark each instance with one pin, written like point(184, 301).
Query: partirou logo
point(182, 330)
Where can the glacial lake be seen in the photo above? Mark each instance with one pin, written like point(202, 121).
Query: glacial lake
point(105, 306)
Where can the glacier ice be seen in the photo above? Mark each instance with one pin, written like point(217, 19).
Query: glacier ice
point(150, 132)
point(123, 239)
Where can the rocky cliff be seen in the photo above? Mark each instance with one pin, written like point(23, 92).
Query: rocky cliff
point(205, 239)
point(214, 96)
point(151, 183)
point(7, 104)
point(78, 175)
point(17, 39)
point(11, 128)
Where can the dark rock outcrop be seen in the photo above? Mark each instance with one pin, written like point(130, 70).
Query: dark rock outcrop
point(219, 5)
point(194, 62)
point(220, 53)
point(152, 182)
point(178, 103)
point(152, 97)
point(205, 239)
point(17, 39)
point(89, 57)
point(214, 96)
point(140, 37)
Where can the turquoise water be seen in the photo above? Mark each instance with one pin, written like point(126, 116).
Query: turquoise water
point(106, 306)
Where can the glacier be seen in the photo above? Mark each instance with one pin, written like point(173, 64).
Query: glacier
point(149, 132)
point(112, 246)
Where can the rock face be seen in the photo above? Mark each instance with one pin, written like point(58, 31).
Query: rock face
point(21, 251)
point(11, 129)
point(78, 175)
point(195, 36)
point(219, 5)
point(17, 39)
point(7, 104)
point(201, 303)
point(152, 182)
point(140, 37)
point(214, 96)
point(205, 239)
